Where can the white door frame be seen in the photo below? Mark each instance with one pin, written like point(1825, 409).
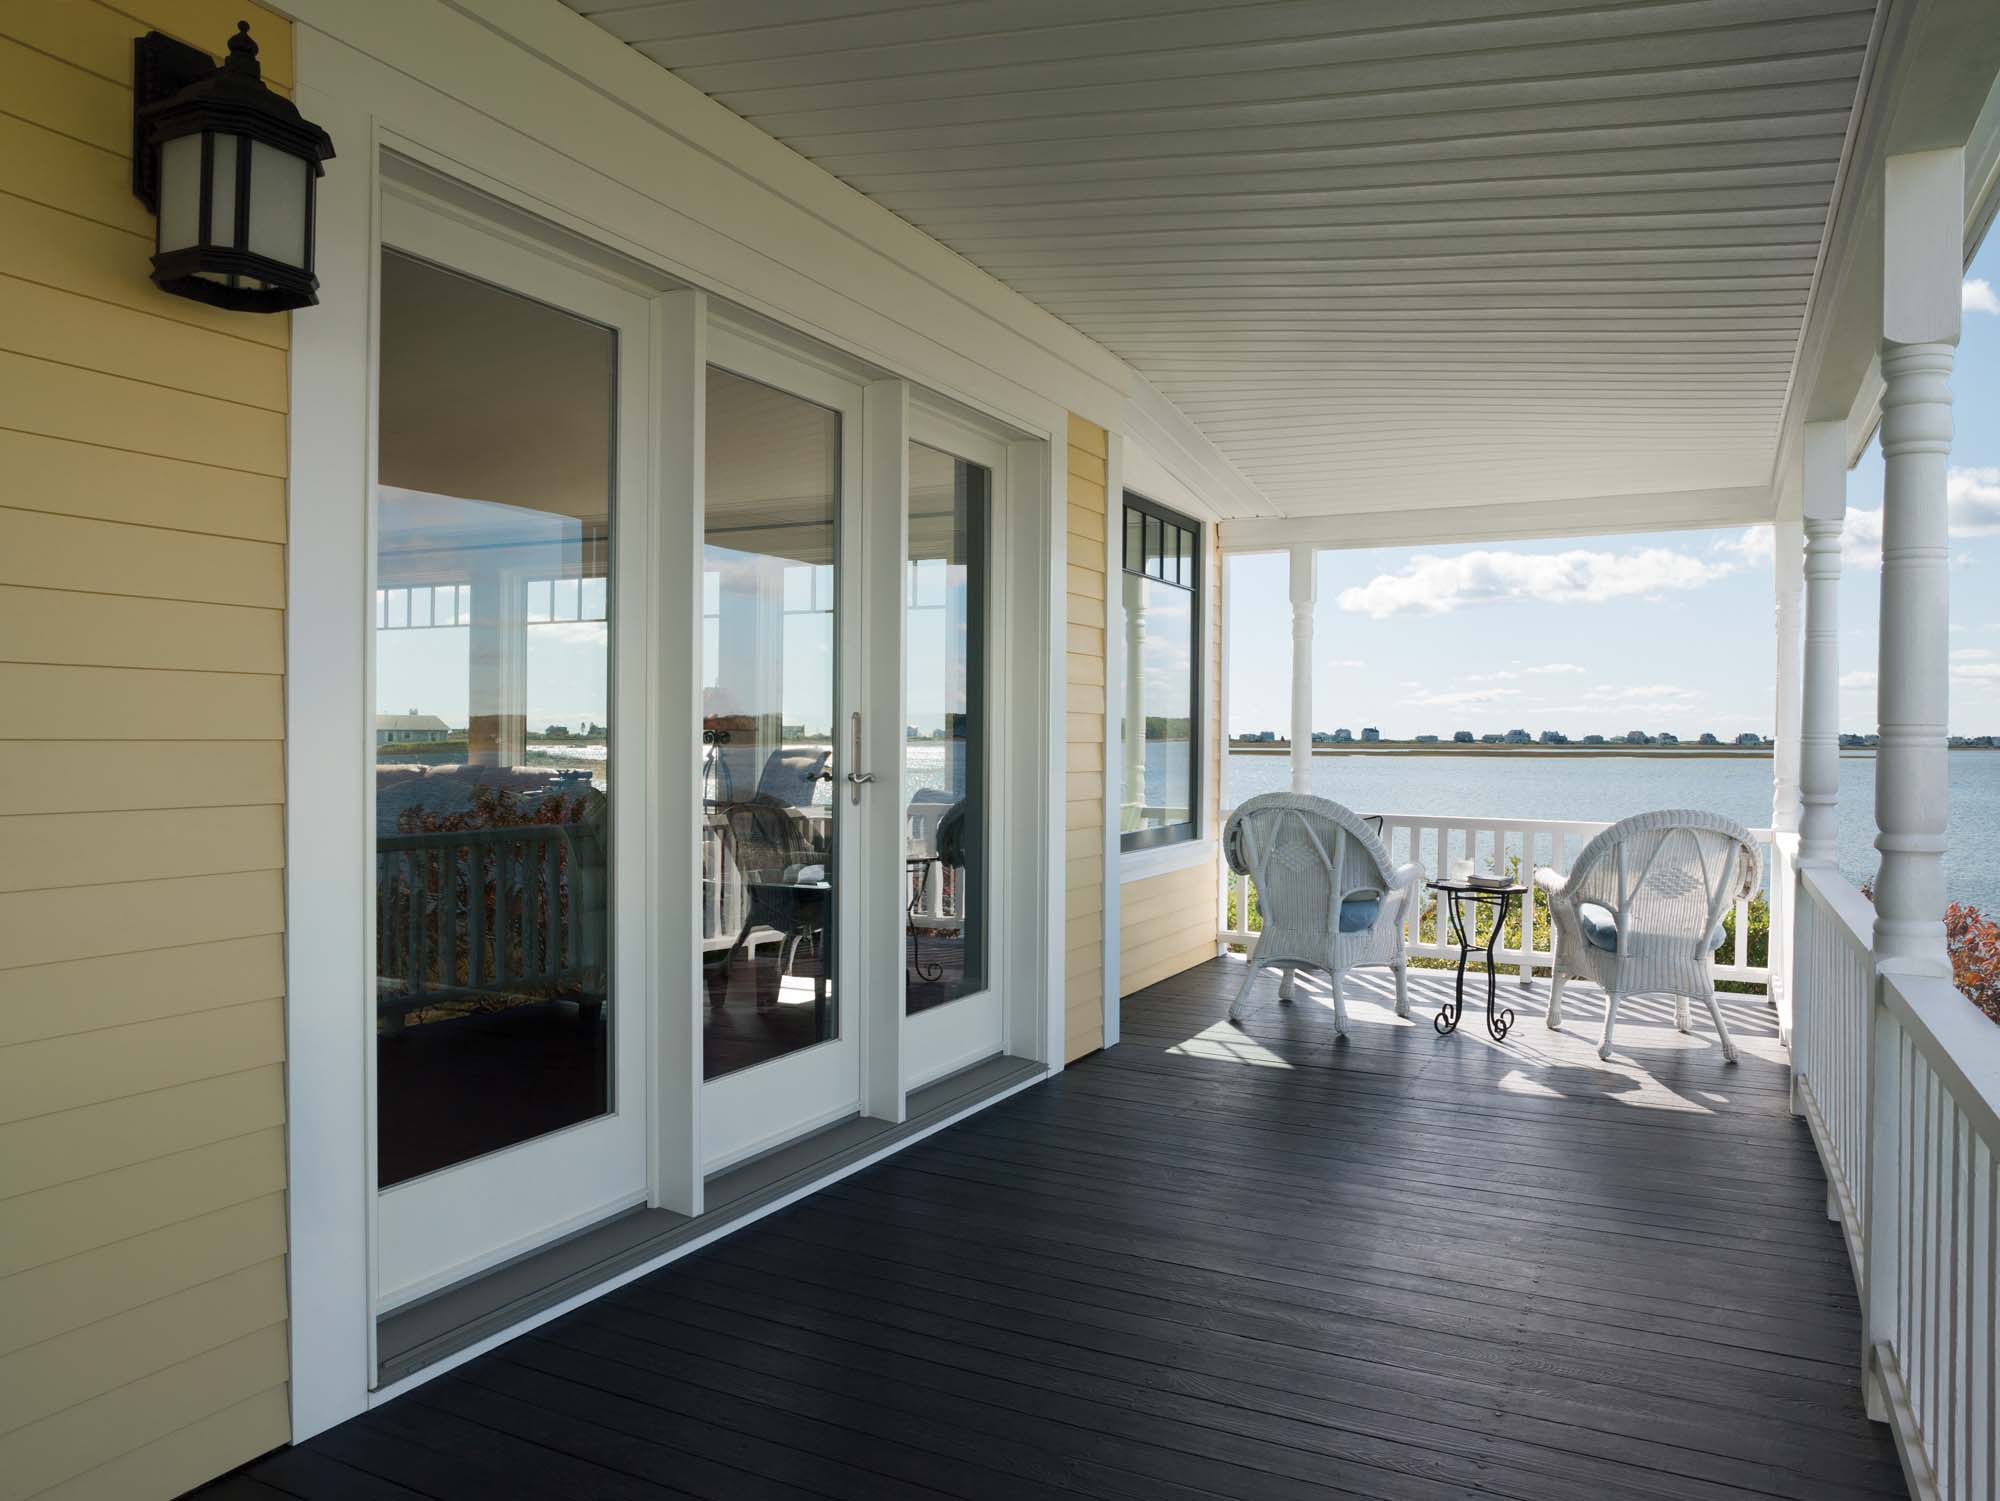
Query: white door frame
point(374, 100)
point(453, 1223)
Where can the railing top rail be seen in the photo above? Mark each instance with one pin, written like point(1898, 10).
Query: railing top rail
point(1506, 824)
point(1957, 1042)
point(1844, 900)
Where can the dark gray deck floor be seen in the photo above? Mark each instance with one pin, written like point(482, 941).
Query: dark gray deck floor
point(1212, 1262)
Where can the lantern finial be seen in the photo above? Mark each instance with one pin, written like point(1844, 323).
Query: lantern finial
point(243, 52)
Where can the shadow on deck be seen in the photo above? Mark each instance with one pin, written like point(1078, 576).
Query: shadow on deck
point(1222, 1262)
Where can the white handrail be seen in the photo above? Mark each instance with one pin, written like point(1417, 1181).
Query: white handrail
point(1434, 840)
point(1898, 1076)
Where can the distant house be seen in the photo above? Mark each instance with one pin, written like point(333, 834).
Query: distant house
point(1463, 737)
point(1637, 737)
point(403, 728)
point(1746, 738)
point(1519, 737)
point(1708, 738)
point(1666, 737)
point(1343, 737)
point(1554, 737)
point(1593, 740)
point(557, 732)
point(1427, 740)
point(1371, 734)
point(1492, 739)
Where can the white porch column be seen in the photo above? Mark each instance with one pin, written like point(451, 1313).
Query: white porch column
point(1788, 581)
point(1922, 261)
point(1305, 590)
point(1825, 451)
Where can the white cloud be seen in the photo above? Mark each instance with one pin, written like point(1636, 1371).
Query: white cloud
point(1753, 544)
point(1551, 669)
point(1972, 500)
point(1976, 295)
point(1641, 693)
point(1432, 585)
point(1857, 680)
point(1338, 662)
point(1972, 654)
point(1460, 698)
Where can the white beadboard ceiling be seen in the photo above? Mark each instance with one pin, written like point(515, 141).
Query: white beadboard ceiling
point(1422, 253)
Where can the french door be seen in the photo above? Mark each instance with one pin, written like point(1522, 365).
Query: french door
point(510, 666)
point(784, 763)
point(528, 647)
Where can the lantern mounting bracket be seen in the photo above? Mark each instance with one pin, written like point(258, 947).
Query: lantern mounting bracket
point(161, 68)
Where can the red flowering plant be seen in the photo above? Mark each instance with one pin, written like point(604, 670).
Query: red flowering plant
point(1973, 941)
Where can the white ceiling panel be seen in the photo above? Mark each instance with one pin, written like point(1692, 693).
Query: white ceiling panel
point(1441, 252)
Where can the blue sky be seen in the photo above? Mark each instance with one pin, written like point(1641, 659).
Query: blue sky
point(1668, 631)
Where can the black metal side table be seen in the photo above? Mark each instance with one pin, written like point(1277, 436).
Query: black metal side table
point(1499, 1021)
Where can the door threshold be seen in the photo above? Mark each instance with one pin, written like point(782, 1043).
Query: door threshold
point(422, 1334)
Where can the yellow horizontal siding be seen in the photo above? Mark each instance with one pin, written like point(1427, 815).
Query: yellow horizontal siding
point(1084, 732)
point(110, 630)
point(142, 652)
point(82, 479)
point(46, 323)
point(56, 249)
point(60, 997)
point(116, 1132)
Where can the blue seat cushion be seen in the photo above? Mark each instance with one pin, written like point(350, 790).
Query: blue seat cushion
point(1600, 927)
point(1358, 913)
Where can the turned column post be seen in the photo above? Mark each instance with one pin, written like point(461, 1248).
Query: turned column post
point(1922, 264)
point(1819, 710)
point(1305, 591)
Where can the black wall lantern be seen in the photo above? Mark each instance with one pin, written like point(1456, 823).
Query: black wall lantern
point(229, 168)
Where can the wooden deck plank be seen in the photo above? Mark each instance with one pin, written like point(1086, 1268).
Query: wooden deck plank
point(1242, 1262)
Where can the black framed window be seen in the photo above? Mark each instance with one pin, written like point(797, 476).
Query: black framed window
point(1161, 578)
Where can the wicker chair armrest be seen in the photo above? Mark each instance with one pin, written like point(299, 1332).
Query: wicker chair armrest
point(1552, 881)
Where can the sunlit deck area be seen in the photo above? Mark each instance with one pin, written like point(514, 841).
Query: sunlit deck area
point(1223, 1261)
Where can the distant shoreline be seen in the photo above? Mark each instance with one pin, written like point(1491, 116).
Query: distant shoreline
point(1459, 748)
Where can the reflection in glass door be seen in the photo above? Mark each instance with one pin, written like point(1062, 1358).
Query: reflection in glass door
point(944, 770)
point(492, 766)
point(770, 822)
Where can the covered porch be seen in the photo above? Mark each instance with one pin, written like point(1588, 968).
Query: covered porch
point(1222, 1261)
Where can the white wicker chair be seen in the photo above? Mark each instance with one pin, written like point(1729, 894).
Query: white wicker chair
point(1310, 858)
point(1641, 910)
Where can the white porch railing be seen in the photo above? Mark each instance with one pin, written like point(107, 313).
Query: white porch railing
point(1899, 1079)
point(1433, 842)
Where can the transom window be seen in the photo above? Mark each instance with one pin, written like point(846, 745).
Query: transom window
point(1161, 574)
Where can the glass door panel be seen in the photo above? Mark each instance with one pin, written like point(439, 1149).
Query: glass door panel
point(494, 1008)
point(770, 641)
point(944, 760)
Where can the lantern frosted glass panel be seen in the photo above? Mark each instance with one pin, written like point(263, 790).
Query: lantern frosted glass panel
point(180, 193)
point(278, 183)
point(222, 192)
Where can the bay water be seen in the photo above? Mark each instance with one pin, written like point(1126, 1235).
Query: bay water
point(1604, 788)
